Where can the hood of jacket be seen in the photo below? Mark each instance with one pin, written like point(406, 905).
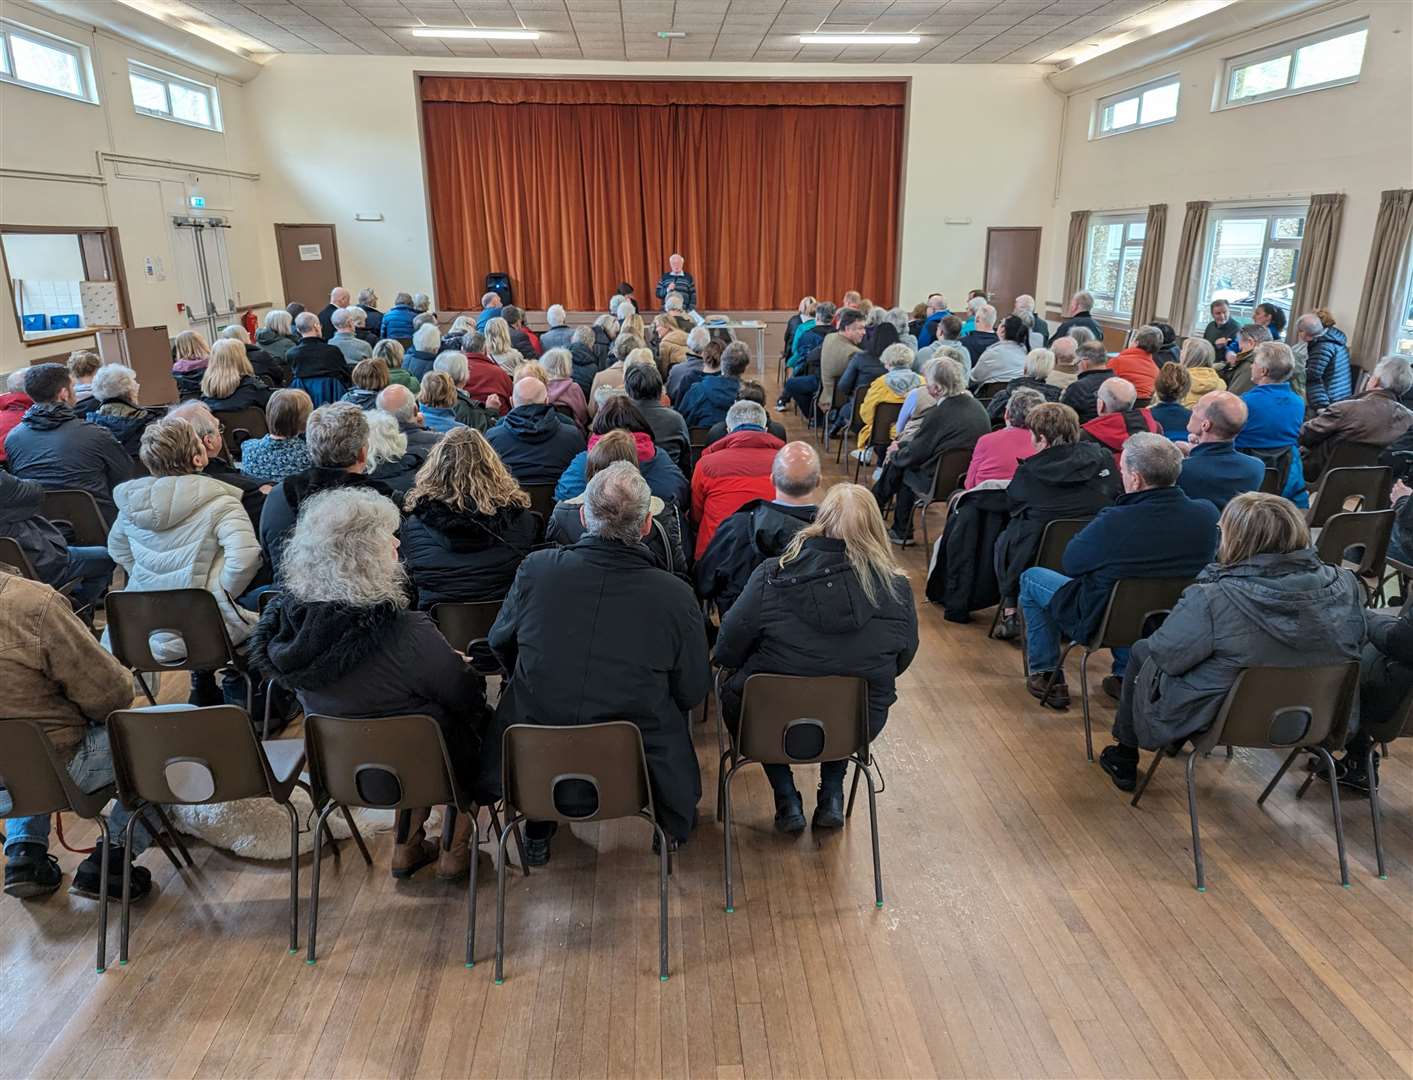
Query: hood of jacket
point(308, 646)
point(1335, 334)
point(190, 364)
point(902, 381)
point(647, 450)
point(48, 416)
point(301, 486)
point(160, 503)
point(17, 402)
point(744, 440)
point(1112, 429)
point(583, 356)
point(266, 336)
point(821, 588)
point(364, 399)
point(1069, 465)
point(1295, 596)
point(533, 423)
point(125, 410)
point(463, 530)
point(774, 525)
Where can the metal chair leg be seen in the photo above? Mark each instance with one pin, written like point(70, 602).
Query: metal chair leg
point(1084, 700)
point(1375, 810)
point(721, 783)
point(357, 836)
point(500, 897)
point(473, 839)
point(293, 878)
point(127, 889)
point(314, 885)
point(143, 683)
point(853, 788)
point(104, 846)
point(726, 833)
point(664, 859)
point(1054, 675)
point(1197, 860)
point(1152, 768)
point(172, 832)
point(873, 828)
point(519, 840)
point(1279, 773)
point(1338, 816)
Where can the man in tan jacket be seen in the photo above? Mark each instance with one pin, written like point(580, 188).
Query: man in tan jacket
point(54, 672)
point(836, 352)
point(1374, 418)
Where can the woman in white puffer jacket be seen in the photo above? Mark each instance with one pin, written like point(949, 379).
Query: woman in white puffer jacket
point(179, 529)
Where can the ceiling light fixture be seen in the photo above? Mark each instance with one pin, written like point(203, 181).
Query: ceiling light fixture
point(672, 33)
point(475, 32)
point(860, 39)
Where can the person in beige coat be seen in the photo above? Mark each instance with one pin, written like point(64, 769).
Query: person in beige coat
point(671, 343)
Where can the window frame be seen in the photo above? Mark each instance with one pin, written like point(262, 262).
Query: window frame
point(1291, 48)
point(1096, 130)
point(167, 79)
point(102, 261)
point(1271, 212)
point(1125, 219)
point(1403, 329)
point(83, 58)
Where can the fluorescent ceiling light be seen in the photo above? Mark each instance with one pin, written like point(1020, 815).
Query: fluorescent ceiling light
point(475, 32)
point(860, 39)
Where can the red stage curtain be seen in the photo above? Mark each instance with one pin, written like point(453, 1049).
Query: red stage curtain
point(769, 190)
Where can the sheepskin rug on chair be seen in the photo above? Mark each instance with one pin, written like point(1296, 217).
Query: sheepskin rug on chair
point(259, 828)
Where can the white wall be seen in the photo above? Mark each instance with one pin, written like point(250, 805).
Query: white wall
point(356, 120)
point(1356, 139)
point(51, 173)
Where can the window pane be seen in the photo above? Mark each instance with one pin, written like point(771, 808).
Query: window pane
point(1288, 228)
point(1280, 277)
point(1236, 264)
point(1338, 58)
point(1123, 113)
point(1138, 230)
point(45, 66)
point(1128, 284)
point(1160, 103)
point(1262, 78)
point(190, 105)
point(4, 58)
point(1101, 275)
point(148, 93)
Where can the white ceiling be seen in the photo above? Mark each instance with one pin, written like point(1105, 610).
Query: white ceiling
point(953, 31)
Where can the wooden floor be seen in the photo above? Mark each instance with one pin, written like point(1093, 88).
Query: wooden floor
point(1035, 926)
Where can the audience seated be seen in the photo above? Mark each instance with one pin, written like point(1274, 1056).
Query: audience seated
point(114, 407)
point(14, 403)
point(898, 381)
point(1063, 374)
point(283, 452)
point(810, 337)
point(370, 378)
point(1373, 418)
point(190, 353)
point(397, 320)
point(438, 401)
point(468, 523)
point(398, 402)
point(998, 454)
point(598, 632)
point(671, 342)
point(1064, 478)
point(750, 391)
point(270, 369)
point(83, 365)
point(866, 365)
point(1093, 370)
point(1169, 391)
point(63, 679)
point(956, 421)
point(1215, 470)
point(606, 329)
point(1197, 357)
point(522, 338)
point(563, 390)
point(559, 334)
point(1274, 415)
point(1385, 681)
point(53, 446)
point(426, 343)
point(1222, 331)
point(1328, 379)
point(1236, 372)
point(1118, 418)
point(626, 349)
point(372, 318)
point(836, 353)
point(630, 322)
point(229, 382)
point(732, 471)
point(391, 353)
point(1266, 601)
point(339, 299)
point(707, 403)
point(807, 363)
point(1081, 304)
point(1004, 360)
point(1136, 363)
point(950, 335)
point(1153, 531)
point(1035, 375)
point(472, 413)
point(534, 441)
point(485, 380)
point(208, 430)
point(982, 336)
point(586, 361)
point(490, 309)
point(790, 619)
point(643, 382)
point(499, 345)
point(392, 461)
point(346, 340)
point(934, 312)
point(618, 413)
point(1024, 309)
point(316, 366)
point(54, 559)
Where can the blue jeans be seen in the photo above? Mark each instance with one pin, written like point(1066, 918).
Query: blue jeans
point(1042, 632)
point(92, 768)
point(801, 389)
point(94, 570)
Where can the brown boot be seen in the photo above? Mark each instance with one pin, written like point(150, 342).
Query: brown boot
point(1059, 694)
point(416, 851)
point(454, 862)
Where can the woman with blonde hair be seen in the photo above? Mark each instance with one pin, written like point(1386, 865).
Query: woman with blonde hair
point(1266, 601)
point(558, 365)
point(468, 523)
point(627, 349)
point(391, 353)
point(835, 603)
point(1198, 356)
point(630, 322)
point(190, 355)
point(498, 346)
point(229, 382)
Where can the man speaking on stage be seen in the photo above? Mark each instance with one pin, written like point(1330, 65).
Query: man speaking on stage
point(679, 281)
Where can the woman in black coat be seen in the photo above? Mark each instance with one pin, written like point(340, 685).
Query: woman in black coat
point(341, 637)
point(468, 523)
point(835, 603)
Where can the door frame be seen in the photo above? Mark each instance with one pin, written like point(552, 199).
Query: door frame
point(986, 261)
point(333, 232)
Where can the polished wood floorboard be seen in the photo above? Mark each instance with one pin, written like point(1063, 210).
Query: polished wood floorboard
point(1035, 925)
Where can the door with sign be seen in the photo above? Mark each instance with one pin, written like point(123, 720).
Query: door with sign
point(309, 263)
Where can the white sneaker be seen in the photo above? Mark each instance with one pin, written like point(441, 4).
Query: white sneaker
point(860, 455)
point(781, 406)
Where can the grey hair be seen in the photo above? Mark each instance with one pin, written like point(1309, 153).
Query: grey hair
point(899, 318)
point(956, 353)
point(342, 318)
point(1276, 358)
point(115, 382)
point(745, 412)
point(236, 332)
point(385, 441)
point(1117, 394)
point(367, 295)
point(402, 299)
point(975, 304)
point(1024, 305)
point(1083, 300)
point(609, 324)
point(623, 344)
point(1081, 335)
point(698, 338)
point(583, 335)
point(1257, 335)
point(1393, 374)
point(986, 314)
point(405, 411)
point(199, 415)
point(616, 503)
point(947, 375)
point(473, 341)
point(1310, 323)
point(426, 338)
point(306, 322)
point(1197, 352)
point(1019, 404)
point(1064, 346)
point(454, 364)
point(15, 381)
point(875, 315)
point(1148, 338)
point(421, 301)
point(341, 551)
point(277, 320)
point(896, 356)
point(336, 433)
point(674, 302)
point(824, 312)
point(558, 363)
point(794, 485)
point(1039, 363)
point(1154, 457)
point(555, 315)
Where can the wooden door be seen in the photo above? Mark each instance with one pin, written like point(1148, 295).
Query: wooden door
point(1012, 266)
point(309, 263)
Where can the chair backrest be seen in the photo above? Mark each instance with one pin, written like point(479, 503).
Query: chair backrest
point(951, 472)
point(794, 720)
point(1399, 724)
point(1132, 603)
point(606, 757)
point(565, 410)
point(987, 391)
point(1050, 553)
point(36, 781)
point(1370, 485)
point(192, 614)
point(855, 413)
point(463, 623)
point(185, 754)
point(11, 554)
point(885, 417)
point(1353, 455)
point(77, 514)
point(541, 498)
point(241, 424)
point(390, 762)
point(697, 437)
point(1271, 482)
point(1369, 532)
point(1278, 708)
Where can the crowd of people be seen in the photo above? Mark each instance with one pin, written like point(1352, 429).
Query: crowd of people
point(401, 461)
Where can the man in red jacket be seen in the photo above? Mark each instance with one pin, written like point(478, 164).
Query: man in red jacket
point(1117, 418)
point(733, 471)
point(13, 405)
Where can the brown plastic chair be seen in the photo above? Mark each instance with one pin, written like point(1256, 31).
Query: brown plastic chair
point(855, 420)
point(1049, 555)
point(829, 714)
point(541, 499)
point(1303, 710)
point(387, 763)
point(77, 515)
point(880, 435)
point(239, 425)
point(1365, 488)
point(466, 627)
point(1271, 482)
point(1353, 455)
point(536, 759)
point(948, 476)
point(697, 442)
point(1132, 603)
point(1367, 532)
point(986, 391)
point(12, 555)
point(189, 756)
point(133, 617)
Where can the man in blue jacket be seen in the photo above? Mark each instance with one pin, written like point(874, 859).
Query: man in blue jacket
point(707, 403)
point(1327, 375)
point(396, 322)
point(1274, 415)
point(932, 325)
point(1215, 470)
point(1153, 531)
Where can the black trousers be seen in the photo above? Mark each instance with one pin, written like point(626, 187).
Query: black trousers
point(891, 486)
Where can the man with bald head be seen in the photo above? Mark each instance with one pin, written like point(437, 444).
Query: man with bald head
point(533, 440)
point(762, 528)
point(400, 403)
point(1215, 470)
point(338, 299)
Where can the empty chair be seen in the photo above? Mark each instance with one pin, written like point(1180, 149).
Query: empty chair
point(697, 441)
point(987, 391)
point(1353, 455)
point(77, 514)
point(1364, 488)
point(242, 424)
point(1365, 537)
point(951, 471)
point(466, 627)
point(1271, 482)
point(1302, 710)
point(592, 772)
point(192, 614)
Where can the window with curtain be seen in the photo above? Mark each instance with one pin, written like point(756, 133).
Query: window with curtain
point(1112, 255)
point(1403, 339)
point(1250, 258)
